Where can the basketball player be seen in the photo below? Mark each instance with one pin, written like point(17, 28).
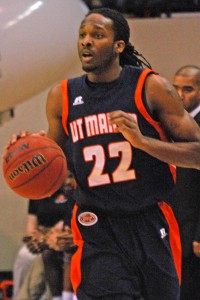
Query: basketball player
point(116, 124)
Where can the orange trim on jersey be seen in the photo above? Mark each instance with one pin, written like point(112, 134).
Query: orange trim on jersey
point(174, 237)
point(75, 271)
point(140, 106)
point(173, 171)
point(65, 106)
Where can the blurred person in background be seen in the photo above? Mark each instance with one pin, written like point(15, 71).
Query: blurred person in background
point(187, 190)
point(43, 214)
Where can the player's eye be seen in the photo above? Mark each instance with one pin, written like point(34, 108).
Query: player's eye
point(81, 35)
point(98, 35)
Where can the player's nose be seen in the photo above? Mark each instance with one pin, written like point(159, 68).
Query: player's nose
point(87, 41)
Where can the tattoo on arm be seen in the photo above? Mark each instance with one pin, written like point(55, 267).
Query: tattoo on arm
point(173, 127)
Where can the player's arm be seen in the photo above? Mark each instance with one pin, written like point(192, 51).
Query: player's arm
point(31, 224)
point(164, 101)
point(54, 116)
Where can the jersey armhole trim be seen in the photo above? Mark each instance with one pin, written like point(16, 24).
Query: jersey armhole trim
point(146, 115)
point(65, 104)
point(141, 107)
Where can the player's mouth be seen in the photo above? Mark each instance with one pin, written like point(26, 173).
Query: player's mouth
point(86, 56)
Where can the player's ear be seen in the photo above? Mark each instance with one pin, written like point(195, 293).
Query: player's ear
point(119, 46)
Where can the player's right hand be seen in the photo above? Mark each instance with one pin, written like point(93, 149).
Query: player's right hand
point(15, 137)
point(127, 125)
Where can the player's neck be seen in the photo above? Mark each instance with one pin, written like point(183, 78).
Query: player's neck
point(105, 76)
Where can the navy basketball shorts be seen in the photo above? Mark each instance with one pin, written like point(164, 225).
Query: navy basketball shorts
point(126, 256)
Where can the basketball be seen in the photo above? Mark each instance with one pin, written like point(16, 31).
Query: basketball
point(34, 167)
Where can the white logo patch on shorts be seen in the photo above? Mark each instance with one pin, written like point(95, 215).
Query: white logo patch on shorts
point(163, 233)
point(87, 218)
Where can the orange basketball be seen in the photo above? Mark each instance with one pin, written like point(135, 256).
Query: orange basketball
point(34, 167)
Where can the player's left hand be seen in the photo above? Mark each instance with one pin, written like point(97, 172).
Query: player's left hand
point(60, 240)
point(36, 241)
point(127, 125)
point(34, 245)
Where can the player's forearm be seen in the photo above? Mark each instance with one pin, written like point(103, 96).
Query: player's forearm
point(180, 154)
point(32, 224)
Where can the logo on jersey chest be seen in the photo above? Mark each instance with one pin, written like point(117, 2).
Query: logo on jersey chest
point(78, 101)
point(87, 218)
point(92, 125)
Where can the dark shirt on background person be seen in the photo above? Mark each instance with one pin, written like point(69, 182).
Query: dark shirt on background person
point(187, 191)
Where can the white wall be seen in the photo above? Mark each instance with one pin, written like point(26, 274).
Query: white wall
point(167, 43)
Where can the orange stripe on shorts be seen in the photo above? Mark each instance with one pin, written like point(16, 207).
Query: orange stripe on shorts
point(76, 257)
point(174, 236)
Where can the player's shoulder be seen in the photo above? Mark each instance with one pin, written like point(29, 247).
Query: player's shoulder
point(56, 89)
point(155, 83)
point(157, 80)
point(55, 94)
point(161, 94)
point(54, 99)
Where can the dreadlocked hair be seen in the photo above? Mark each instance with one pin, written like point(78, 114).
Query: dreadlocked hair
point(130, 56)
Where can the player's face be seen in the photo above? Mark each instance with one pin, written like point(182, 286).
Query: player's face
point(96, 44)
point(188, 90)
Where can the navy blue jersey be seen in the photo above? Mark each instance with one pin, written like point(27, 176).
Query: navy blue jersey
point(111, 174)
